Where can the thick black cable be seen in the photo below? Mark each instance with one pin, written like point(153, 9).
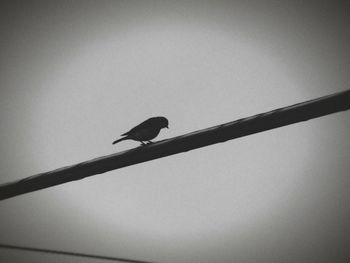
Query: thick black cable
point(258, 123)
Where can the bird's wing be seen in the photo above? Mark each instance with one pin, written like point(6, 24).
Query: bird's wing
point(142, 125)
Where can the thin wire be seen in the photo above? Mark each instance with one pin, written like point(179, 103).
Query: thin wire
point(74, 254)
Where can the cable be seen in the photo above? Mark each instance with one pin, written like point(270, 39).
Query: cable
point(66, 253)
point(258, 123)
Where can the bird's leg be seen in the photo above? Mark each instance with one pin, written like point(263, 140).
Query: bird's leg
point(149, 142)
point(142, 143)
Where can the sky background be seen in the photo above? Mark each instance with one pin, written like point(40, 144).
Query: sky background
point(74, 75)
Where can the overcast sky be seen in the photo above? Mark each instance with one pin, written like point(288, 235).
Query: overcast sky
point(74, 75)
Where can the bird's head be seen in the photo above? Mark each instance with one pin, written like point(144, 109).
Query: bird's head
point(163, 122)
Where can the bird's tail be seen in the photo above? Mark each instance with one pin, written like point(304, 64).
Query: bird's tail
point(121, 139)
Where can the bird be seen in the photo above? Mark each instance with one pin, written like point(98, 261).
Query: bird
point(145, 131)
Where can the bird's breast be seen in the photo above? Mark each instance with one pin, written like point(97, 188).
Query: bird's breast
point(145, 134)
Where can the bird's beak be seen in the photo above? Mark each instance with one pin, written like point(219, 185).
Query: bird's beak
point(167, 127)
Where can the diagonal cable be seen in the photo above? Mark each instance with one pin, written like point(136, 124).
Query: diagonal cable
point(66, 253)
point(258, 123)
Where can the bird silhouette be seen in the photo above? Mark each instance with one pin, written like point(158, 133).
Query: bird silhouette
point(145, 131)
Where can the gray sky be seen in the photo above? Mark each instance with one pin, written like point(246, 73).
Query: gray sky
point(75, 75)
